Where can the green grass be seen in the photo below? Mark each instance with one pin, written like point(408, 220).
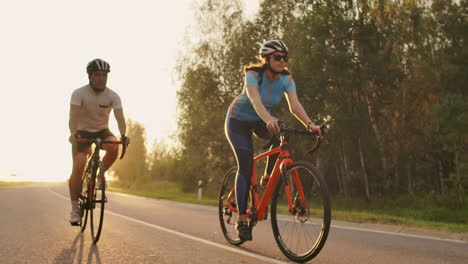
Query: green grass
point(383, 217)
point(9, 184)
point(162, 190)
point(404, 211)
point(425, 212)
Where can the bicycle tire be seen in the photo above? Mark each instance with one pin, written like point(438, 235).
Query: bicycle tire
point(287, 227)
point(228, 218)
point(83, 200)
point(98, 199)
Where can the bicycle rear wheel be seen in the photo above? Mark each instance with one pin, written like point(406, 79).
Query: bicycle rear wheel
point(301, 231)
point(227, 208)
point(96, 216)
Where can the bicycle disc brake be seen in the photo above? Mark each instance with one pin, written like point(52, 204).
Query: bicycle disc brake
point(302, 214)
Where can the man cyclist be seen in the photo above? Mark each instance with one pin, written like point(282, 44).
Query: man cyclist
point(90, 107)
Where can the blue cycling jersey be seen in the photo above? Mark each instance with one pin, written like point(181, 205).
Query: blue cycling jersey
point(271, 92)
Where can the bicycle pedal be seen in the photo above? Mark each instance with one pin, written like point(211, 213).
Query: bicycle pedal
point(75, 223)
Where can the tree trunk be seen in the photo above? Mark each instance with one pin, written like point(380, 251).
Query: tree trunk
point(364, 171)
point(441, 177)
point(409, 176)
point(345, 171)
point(378, 135)
point(459, 177)
point(396, 172)
point(338, 178)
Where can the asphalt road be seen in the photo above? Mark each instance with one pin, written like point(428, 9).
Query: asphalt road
point(34, 228)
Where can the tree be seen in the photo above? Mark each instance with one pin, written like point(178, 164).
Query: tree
point(379, 72)
point(132, 168)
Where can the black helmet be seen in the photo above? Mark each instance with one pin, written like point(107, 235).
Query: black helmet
point(97, 65)
point(273, 46)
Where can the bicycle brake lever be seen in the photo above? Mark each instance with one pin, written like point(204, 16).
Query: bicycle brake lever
point(124, 150)
point(324, 131)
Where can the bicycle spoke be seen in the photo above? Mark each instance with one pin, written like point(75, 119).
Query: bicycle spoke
point(227, 208)
point(301, 232)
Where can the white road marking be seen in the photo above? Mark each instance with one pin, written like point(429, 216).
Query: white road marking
point(318, 223)
point(201, 240)
point(398, 234)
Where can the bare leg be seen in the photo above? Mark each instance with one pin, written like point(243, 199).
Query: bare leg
point(243, 218)
point(74, 183)
point(112, 151)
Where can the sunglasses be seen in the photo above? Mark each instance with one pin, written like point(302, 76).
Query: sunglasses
point(278, 57)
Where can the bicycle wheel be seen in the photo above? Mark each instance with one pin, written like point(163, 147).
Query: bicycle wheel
point(83, 199)
point(96, 216)
point(228, 207)
point(301, 232)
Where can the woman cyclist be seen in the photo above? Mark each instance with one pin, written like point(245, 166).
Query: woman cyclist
point(248, 114)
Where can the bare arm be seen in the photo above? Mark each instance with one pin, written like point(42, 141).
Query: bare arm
point(119, 116)
point(254, 97)
point(296, 108)
point(73, 119)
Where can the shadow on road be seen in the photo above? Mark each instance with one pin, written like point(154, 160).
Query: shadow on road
point(94, 250)
point(68, 255)
point(74, 254)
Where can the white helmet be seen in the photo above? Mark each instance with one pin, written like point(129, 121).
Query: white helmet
point(273, 46)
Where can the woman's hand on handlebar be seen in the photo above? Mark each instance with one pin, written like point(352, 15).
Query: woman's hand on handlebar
point(313, 128)
point(273, 126)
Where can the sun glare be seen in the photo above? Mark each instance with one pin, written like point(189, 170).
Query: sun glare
point(45, 49)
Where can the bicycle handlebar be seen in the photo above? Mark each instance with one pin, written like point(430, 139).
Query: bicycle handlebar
point(294, 131)
point(95, 140)
point(92, 140)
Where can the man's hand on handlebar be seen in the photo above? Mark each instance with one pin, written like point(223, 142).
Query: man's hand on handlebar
point(125, 140)
point(74, 137)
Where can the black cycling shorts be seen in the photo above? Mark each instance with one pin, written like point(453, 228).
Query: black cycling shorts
point(86, 147)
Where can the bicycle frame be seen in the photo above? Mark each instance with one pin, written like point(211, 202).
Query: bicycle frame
point(293, 186)
point(93, 163)
point(281, 164)
point(94, 159)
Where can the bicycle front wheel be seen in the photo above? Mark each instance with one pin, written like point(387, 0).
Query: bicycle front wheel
point(301, 212)
point(83, 199)
point(227, 208)
point(96, 216)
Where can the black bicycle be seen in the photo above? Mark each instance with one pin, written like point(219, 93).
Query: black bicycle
point(94, 188)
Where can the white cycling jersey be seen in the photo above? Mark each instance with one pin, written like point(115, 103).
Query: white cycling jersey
point(95, 107)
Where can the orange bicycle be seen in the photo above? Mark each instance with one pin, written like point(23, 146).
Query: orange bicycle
point(300, 202)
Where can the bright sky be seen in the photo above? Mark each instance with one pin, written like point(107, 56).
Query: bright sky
point(44, 48)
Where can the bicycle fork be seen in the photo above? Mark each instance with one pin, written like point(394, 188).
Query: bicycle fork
point(294, 193)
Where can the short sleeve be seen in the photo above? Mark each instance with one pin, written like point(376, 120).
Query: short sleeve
point(76, 98)
point(116, 102)
point(290, 85)
point(251, 78)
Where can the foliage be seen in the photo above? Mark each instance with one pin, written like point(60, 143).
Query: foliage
point(376, 71)
point(388, 77)
point(132, 167)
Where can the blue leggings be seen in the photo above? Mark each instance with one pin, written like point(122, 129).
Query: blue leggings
point(239, 133)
